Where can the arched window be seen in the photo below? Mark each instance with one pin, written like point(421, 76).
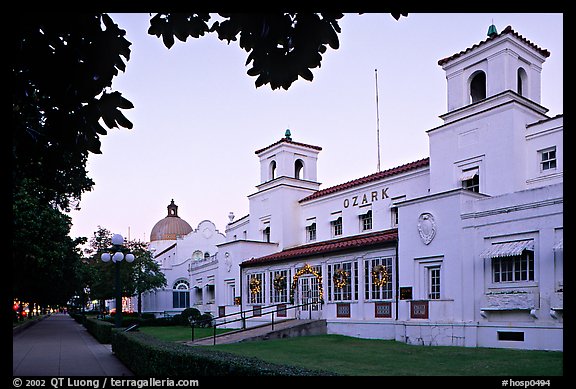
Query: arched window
point(478, 86)
point(181, 294)
point(299, 169)
point(206, 255)
point(522, 79)
point(272, 174)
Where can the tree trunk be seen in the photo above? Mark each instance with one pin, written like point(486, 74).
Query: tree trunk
point(139, 304)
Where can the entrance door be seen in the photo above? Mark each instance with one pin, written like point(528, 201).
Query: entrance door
point(308, 294)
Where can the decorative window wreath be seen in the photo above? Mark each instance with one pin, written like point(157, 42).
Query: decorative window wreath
point(340, 278)
point(255, 285)
point(307, 269)
point(279, 282)
point(380, 276)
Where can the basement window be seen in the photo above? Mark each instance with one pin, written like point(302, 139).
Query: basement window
point(515, 336)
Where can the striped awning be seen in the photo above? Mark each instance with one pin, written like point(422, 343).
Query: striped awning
point(507, 249)
point(469, 174)
point(559, 246)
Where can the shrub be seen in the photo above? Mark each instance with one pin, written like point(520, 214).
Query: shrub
point(158, 322)
point(80, 318)
point(190, 313)
point(148, 356)
point(100, 329)
point(204, 320)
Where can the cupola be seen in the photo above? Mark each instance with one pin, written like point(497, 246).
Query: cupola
point(504, 61)
point(171, 227)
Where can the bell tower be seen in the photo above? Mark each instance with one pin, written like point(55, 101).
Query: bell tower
point(505, 61)
point(288, 159)
point(493, 94)
point(288, 173)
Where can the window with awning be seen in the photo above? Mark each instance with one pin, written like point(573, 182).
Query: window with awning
point(508, 249)
point(311, 230)
point(559, 246)
point(511, 261)
point(470, 179)
point(336, 224)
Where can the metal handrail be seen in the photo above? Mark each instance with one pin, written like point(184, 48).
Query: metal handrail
point(243, 318)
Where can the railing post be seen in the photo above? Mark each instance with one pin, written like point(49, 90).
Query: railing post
point(214, 325)
point(272, 320)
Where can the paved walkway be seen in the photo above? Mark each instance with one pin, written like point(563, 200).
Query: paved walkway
point(58, 346)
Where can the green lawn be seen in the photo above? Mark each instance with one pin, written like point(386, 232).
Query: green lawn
point(179, 333)
point(368, 357)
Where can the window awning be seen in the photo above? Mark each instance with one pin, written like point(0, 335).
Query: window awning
point(335, 216)
point(364, 210)
point(559, 246)
point(309, 222)
point(469, 174)
point(508, 249)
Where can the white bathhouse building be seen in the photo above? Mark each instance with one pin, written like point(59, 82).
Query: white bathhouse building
point(463, 247)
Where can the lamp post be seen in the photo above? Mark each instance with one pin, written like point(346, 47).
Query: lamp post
point(116, 253)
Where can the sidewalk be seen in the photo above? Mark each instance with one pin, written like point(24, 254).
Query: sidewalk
point(58, 346)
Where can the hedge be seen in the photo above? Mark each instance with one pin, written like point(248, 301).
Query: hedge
point(149, 356)
point(78, 317)
point(101, 330)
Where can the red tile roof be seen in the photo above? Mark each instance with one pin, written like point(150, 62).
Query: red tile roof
point(507, 30)
point(285, 140)
point(373, 177)
point(328, 246)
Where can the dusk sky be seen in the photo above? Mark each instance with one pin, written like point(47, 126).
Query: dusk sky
point(198, 118)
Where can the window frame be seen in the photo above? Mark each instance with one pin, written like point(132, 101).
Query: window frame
point(181, 295)
point(434, 284)
point(549, 161)
point(350, 291)
point(336, 227)
point(266, 234)
point(260, 297)
point(511, 270)
point(279, 296)
point(366, 221)
point(378, 293)
point(311, 233)
point(394, 216)
point(472, 184)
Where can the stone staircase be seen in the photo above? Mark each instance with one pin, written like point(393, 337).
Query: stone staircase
point(284, 329)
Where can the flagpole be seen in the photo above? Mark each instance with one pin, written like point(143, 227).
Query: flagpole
point(377, 118)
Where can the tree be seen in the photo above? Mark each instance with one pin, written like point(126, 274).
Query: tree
point(62, 71)
point(45, 259)
point(146, 272)
point(99, 276)
point(62, 68)
point(281, 46)
point(140, 276)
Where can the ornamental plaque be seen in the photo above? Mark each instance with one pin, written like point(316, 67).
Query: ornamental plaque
point(426, 227)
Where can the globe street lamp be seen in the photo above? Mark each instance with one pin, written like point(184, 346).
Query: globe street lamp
point(117, 253)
